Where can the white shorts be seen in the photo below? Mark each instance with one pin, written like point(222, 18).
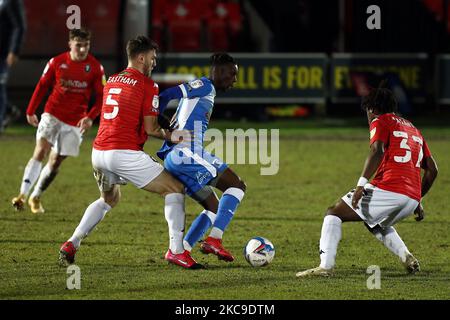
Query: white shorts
point(121, 166)
point(64, 138)
point(381, 207)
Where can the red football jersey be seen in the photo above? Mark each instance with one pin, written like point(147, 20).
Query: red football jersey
point(73, 83)
point(128, 97)
point(404, 149)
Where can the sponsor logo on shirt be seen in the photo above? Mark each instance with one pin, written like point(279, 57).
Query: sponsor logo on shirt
point(201, 177)
point(69, 83)
point(195, 84)
point(64, 66)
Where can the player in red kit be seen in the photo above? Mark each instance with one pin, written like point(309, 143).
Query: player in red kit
point(129, 115)
point(397, 154)
point(73, 76)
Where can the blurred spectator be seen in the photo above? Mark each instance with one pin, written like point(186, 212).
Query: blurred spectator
point(196, 25)
point(363, 82)
point(12, 30)
point(224, 24)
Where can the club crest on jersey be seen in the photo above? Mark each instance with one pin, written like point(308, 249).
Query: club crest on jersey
point(87, 68)
point(195, 84)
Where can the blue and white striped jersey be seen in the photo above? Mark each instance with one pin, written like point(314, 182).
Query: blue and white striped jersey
point(193, 112)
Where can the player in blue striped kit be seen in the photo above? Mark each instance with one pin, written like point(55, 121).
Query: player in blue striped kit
point(196, 168)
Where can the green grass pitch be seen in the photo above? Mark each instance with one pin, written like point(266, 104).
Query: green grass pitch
point(123, 257)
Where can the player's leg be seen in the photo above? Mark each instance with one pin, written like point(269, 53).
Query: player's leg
point(173, 192)
point(210, 202)
point(391, 240)
point(386, 233)
point(67, 143)
point(48, 174)
point(330, 236)
point(108, 184)
point(331, 232)
point(32, 171)
point(94, 213)
point(195, 173)
point(233, 189)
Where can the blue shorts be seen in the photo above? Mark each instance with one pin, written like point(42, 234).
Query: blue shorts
point(194, 169)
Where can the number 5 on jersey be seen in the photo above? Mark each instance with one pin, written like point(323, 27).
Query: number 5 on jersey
point(111, 102)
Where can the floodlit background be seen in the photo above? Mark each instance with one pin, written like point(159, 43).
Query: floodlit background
point(297, 59)
point(303, 67)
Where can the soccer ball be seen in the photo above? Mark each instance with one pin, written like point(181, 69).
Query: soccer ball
point(259, 252)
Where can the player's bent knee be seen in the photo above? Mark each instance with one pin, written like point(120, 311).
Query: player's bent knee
point(40, 154)
point(242, 185)
point(330, 210)
point(112, 197)
point(173, 186)
point(238, 193)
point(55, 162)
point(178, 186)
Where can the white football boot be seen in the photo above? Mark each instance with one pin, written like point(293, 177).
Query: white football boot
point(411, 264)
point(321, 272)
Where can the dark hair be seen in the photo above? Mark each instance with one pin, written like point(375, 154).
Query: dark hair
point(221, 59)
point(140, 44)
point(380, 99)
point(82, 33)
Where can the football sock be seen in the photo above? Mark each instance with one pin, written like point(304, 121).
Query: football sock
point(329, 240)
point(175, 216)
point(92, 216)
point(227, 206)
point(46, 177)
point(30, 175)
point(198, 228)
point(390, 238)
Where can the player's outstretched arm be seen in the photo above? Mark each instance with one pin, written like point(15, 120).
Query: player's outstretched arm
point(167, 95)
point(45, 82)
point(371, 165)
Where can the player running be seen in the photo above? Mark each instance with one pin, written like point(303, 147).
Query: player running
point(197, 169)
point(129, 115)
point(73, 76)
point(397, 153)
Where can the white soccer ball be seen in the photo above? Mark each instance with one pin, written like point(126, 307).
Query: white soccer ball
point(259, 252)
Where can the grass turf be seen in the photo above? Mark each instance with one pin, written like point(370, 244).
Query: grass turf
point(123, 257)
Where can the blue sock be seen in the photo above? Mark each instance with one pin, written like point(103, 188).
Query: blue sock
point(227, 206)
point(198, 228)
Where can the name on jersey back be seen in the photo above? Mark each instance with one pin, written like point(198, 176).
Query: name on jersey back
point(122, 79)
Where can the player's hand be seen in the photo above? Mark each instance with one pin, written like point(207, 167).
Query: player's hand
point(419, 213)
point(33, 120)
point(11, 59)
point(178, 136)
point(357, 195)
point(85, 124)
